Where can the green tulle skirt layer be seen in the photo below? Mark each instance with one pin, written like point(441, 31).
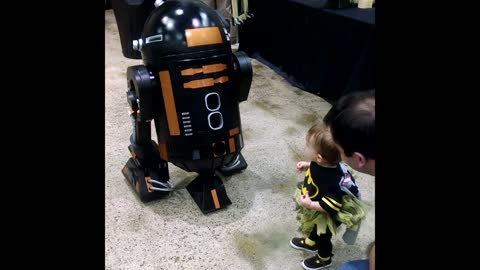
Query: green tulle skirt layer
point(350, 214)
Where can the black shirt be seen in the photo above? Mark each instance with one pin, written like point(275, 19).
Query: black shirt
point(322, 184)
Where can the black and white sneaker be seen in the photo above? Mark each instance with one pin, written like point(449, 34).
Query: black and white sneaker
point(316, 263)
point(299, 243)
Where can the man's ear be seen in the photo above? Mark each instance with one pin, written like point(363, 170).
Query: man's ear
point(359, 159)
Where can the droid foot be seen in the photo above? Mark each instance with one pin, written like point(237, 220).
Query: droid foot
point(209, 193)
point(145, 182)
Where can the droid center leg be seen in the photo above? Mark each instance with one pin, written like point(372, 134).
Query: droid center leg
point(208, 191)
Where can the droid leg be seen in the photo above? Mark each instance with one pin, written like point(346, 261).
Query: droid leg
point(145, 170)
point(149, 177)
point(208, 191)
point(147, 173)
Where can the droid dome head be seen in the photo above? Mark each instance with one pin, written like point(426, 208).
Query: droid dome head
point(181, 26)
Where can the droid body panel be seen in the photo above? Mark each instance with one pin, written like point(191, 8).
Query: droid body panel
point(190, 86)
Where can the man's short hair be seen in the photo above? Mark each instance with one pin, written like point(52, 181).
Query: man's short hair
point(352, 123)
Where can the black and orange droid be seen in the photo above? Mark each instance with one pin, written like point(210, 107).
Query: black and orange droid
point(190, 85)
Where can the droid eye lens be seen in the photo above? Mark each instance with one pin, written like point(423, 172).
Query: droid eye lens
point(215, 120)
point(212, 101)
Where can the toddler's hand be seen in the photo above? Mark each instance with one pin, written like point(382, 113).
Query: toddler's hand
point(305, 200)
point(302, 166)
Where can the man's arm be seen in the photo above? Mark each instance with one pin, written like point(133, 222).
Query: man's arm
point(371, 258)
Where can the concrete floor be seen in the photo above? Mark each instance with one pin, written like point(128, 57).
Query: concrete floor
point(253, 232)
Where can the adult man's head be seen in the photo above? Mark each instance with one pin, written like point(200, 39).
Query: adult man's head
point(352, 123)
